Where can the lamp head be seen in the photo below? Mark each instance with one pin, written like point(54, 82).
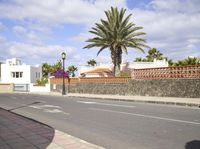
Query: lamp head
point(63, 55)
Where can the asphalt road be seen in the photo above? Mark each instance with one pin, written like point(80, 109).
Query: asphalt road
point(112, 124)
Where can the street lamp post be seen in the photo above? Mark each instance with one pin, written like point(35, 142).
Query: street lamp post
point(63, 86)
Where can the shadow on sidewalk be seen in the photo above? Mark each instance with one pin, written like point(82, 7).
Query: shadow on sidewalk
point(195, 144)
point(20, 132)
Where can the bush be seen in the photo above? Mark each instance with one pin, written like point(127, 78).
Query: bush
point(59, 74)
point(42, 82)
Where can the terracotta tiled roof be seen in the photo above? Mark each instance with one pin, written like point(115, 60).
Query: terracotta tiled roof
point(99, 70)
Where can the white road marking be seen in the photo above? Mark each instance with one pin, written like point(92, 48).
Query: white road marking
point(44, 106)
point(106, 104)
point(86, 102)
point(35, 107)
point(49, 108)
point(146, 116)
point(55, 111)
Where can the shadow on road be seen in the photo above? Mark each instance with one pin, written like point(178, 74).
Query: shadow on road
point(20, 132)
point(195, 144)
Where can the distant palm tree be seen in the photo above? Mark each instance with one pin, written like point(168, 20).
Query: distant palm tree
point(188, 61)
point(71, 69)
point(170, 62)
point(138, 59)
point(117, 34)
point(49, 69)
point(92, 62)
point(46, 69)
point(57, 66)
point(154, 54)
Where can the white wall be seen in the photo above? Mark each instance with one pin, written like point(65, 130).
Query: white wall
point(142, 65)
point(44, 89)
point(29, 73)
point(33, 75)
point(6, 76)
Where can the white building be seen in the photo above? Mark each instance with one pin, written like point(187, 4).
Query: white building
point(105, 70)
point(13, 71)
point(142, 65)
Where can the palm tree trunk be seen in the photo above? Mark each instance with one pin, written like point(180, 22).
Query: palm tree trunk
point(118, 62)
point(117, 71)
point(116, 56)
point(113, 57)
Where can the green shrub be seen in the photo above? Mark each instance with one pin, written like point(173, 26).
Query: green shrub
point(42, 82)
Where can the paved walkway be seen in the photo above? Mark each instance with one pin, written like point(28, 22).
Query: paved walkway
point(17, 132)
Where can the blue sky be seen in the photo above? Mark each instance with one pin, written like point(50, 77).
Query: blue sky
point(38, 31)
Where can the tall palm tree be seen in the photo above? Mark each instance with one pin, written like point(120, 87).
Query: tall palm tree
point(117, 34)
point(71, 69)
point(92, 62)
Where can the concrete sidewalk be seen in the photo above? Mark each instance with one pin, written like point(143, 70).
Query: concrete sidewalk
point(17, 132)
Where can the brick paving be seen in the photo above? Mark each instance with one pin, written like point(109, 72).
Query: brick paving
point(17, 132)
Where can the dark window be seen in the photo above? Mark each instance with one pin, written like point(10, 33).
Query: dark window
point(21, 74)
point(17, 74)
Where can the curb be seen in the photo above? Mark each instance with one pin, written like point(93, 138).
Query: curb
point(144, 101)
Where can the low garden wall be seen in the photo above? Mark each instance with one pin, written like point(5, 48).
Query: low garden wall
point(6, 88)
point(160, 87)
point(42, 89)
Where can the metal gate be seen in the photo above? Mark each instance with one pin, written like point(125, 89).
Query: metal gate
point(21, 88)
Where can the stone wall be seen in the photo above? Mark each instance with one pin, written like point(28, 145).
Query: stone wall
point(161, 88)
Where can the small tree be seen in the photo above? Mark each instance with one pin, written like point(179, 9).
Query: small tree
point(57, 66)
point(71, 69)
point(42, 81)
point(46, 69)
point(50, 69)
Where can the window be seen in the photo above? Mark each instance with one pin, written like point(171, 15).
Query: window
point(37, 75)
point(13, 74)
point(21, 74)
point(16, 74)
